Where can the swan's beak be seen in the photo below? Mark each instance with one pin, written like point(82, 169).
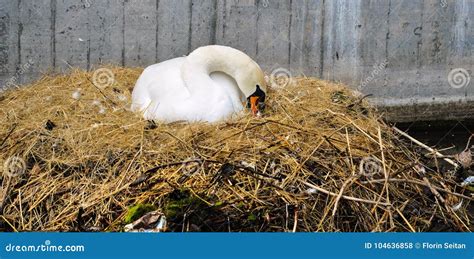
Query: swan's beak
point(253, 104)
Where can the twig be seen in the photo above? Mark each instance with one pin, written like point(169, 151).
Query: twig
point(145, 175)
point(358, 101)
point(8, 135)
point(102, 93)
point(434, 191)
point(295, 220)
point(5, 194)
point(419, 183)
point(384, 167)
point(343, 196)
point(362, 131)
point(8, 222)
point(438, 154)
point(346, 183)
point(405, 219)
point(468, 143)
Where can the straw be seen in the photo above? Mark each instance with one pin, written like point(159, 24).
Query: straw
point(319, 159)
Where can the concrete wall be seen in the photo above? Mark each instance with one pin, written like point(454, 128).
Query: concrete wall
point(401, 51)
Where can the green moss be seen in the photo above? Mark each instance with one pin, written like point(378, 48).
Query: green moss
point(137, 211)
point(181, 201)
point(252, 217)
point(172, 209)
point(240, 205)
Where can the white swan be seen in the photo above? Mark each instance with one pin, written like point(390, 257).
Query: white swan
point(209, 84)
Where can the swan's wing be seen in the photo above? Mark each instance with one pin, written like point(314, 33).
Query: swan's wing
point(161, 93)
point(159, 83)
point(230, 89)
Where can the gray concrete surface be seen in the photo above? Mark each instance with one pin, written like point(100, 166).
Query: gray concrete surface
point(401, 51)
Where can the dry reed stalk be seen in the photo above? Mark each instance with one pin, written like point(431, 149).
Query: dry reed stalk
point(88, 159)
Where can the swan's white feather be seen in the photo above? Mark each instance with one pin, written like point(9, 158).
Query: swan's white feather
point(210, 84)
point(160, 93)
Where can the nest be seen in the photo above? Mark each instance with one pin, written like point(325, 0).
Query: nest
point(320, 159)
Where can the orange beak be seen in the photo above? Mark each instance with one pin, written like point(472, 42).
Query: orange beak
point(253, 104)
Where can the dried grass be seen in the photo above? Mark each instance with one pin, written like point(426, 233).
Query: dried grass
point(299, 168)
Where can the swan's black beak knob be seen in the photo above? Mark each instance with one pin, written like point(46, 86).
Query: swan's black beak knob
point(256, 101)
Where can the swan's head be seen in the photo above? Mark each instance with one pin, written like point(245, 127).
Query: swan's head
point(252, 83)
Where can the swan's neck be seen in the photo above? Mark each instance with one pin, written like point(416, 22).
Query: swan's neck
point(203, 61)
